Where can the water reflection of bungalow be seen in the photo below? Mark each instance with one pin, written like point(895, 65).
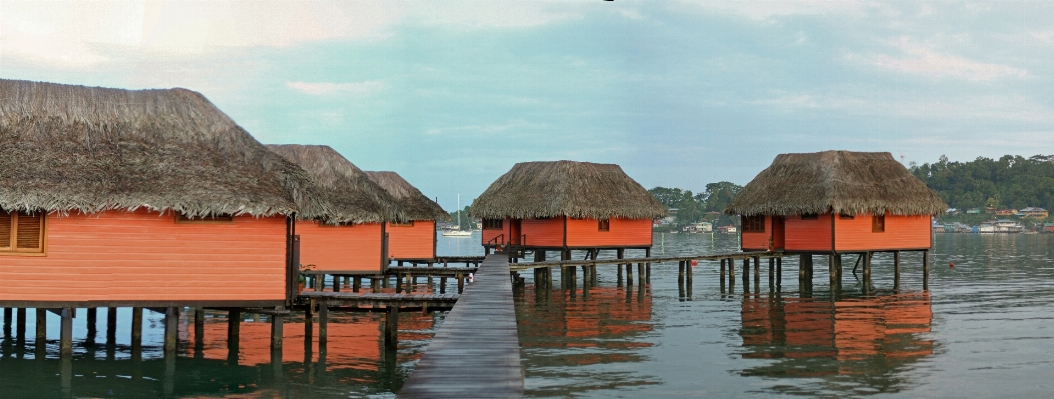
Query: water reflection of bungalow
point(139, 198)
point(414, 239)
point(566, 205)
point(357, 243)
point(606, 321)
point(836, 201)
point(854, 333)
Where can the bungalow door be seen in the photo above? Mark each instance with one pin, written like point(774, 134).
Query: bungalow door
point(778, 232)
point(514, 232)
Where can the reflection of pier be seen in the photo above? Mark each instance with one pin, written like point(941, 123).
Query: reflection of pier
point(817, 337)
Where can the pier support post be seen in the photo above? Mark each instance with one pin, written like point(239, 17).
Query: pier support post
point(323, 323)
point(20, 325)
point(925, 270)
point(629, 274)
point(746, 274)
point(722, 278)
point(111, 326)
point(7, 321)
point(772, 273)
point(832, 269)
point(779, 271)
point(42, 326)
point(278, 328)
point(619, 254)
point(680, 271)
point(391, 328)
point(460, 283)
point(731, 275)
point(234, 326)
point(757, 272)
point(867, 273)
point(199, 324)
point(688, 273)
point(90, 339)
point(896, 270)
point(137, 329)
point(356, 284)
point(171, 329)
point(66, 333)
point(647, 266)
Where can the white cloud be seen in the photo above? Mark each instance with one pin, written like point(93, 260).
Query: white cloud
point(920, 60)
point(763, 10)
point(329, 88)
point(67, 34)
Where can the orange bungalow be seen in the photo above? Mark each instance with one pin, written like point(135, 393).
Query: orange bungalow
point(836, 202)
point(415, 239)
point(357, 244)
point(143, 199)
point(566, 205)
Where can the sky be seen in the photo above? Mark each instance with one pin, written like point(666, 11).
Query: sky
point(452, 94)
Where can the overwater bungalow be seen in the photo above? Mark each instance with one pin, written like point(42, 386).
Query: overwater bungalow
point(414, 239)
point(836, 201)
point(358, 244)
point(565, 205)
point(141, 198)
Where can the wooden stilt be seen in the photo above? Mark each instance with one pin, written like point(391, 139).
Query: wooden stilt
point(680, 270)
point(647, 266)
point(757, 272)
point(746, 274)
point(442, 285)
point(7, 321)
point(629, 274)
point(137, 328)
point(391, 328)
point(460, 283)
point(66, 333)
point(688, 274)
point(42, 326)
point(896, 269)
point(171, 329)
point(199, 325)
point(722, 278)
point(731, 275)
point(91, 323)
point(779, 271)
point(278, 328)
point(234, 326)
point(926, 270)
point(20, 324)
point(356, 284)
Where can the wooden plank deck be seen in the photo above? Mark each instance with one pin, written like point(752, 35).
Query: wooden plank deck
point(476, 352)
point(351, 299)
point(654, 259)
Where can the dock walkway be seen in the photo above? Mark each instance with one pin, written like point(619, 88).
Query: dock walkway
point(476, 352)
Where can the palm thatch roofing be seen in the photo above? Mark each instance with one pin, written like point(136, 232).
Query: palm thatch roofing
point(347, 190)
point(566, 188)
point(70, 148)
point(843, 182)
point(414, 203)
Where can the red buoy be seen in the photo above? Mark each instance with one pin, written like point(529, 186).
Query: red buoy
point(695, 263)
point(951, 265)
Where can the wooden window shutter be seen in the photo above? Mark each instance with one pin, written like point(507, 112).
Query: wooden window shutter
point(29, 229)
point(5, 229)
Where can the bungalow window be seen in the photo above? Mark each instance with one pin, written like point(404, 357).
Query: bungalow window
point(604, 225)
point(753, 224)
point(402, 224)
point(810, 216)
point(878, 223)
point(183, 218)
point(21, 233)
point(492, 224)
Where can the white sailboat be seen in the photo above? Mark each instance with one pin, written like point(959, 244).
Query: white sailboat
point(457, 232)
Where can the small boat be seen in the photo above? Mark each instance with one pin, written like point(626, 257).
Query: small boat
point(457, 232)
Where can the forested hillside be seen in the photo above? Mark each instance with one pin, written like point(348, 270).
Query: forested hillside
point(693, 207)
point(1008, 182)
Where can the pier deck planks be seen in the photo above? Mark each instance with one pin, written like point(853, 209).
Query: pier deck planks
point(476, 352)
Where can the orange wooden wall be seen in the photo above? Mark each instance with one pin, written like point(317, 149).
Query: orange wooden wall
point(757, 241)
point(356, 247)
point(902, 232)
point(146, 256)
point(624, 232)
point(808, 235)
point(489, 234)
point(412, 242)
point(543, 232)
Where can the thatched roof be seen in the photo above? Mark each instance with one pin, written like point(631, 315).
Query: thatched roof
point(843, 182)
point(348, 192)
point(410, 199)
point(73, 148)
point(566, 188)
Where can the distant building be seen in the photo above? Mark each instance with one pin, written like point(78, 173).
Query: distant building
point(1008, 226)
point(974, 211)
point(986, 228)
point(1047, 228)
point(939, 228)
point(701, 227)
point(730, 229)
point(1035, 213)
point(1006, 212)
point(952, 211)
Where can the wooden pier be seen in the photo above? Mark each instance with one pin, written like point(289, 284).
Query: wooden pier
point(476, 352)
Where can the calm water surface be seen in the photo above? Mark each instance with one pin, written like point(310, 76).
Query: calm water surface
point(984, 329)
